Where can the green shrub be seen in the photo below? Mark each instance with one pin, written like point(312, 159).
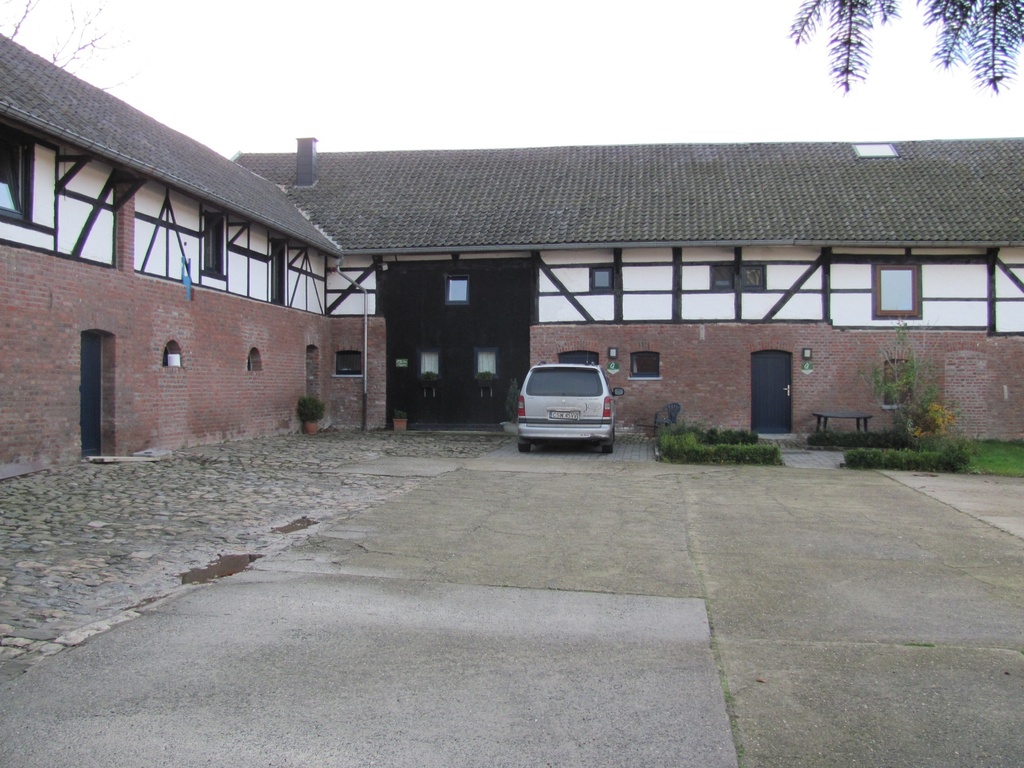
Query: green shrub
point(887, 439)
point(310, 408)
point(954, 456)
point(686, 448)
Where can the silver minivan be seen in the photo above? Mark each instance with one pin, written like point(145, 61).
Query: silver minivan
point(567, 403)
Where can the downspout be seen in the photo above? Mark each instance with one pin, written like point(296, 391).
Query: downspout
point(366, 366)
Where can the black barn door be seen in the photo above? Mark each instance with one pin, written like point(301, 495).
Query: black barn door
point(91, 391)
point(771, 389)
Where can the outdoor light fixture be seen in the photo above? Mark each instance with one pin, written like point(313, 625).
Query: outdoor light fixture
point(613, 352)
point(807, 353)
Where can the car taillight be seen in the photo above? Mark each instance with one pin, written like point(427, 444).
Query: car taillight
point(522, 407)
point(607, 406)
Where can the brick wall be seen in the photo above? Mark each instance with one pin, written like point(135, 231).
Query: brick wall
point(707, 369)
point(47, 302)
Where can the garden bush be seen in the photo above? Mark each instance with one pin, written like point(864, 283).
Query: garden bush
point(714, 435)
point(954, 456)
point(686, 448)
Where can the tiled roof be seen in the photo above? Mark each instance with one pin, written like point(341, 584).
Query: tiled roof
point(35, 93)
point(935, 192)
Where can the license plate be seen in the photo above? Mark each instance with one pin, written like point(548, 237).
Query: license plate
point(564, 415)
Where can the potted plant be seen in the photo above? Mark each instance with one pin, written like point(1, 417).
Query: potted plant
point(512, 408)
point(485, 377)
point(401, 420)
point(310, 410)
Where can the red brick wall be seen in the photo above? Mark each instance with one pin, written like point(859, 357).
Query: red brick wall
point(48, 301)
point(707, 369)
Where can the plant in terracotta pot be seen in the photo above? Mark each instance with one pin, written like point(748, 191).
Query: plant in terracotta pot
point(401, 420)
point(310, 410)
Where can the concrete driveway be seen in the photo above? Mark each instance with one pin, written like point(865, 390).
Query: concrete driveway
point(549, 611)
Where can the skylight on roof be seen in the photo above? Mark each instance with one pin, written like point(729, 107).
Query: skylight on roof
point(875, 150)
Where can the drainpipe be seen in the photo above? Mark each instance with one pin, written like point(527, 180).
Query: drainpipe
point(366, 362)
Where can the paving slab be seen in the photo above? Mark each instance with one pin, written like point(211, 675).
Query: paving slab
point(278, 669)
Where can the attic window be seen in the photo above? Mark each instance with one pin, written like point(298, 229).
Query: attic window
point(875, 150)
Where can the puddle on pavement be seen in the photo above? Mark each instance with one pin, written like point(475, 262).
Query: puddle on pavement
point(296, 525)
point(225, 565)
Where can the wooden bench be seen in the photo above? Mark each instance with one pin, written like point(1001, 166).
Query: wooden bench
point(859, 416)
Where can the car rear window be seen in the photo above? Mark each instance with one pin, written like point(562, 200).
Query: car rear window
point(575, 382)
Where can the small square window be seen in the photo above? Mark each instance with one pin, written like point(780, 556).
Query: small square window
point(348, 363)
point(752, 277)
point(897, 291)
point(456, 290)
point(645, 365)
point(601, 279)
point(722, 277)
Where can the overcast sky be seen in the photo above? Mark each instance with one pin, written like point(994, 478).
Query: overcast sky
point(380, 74)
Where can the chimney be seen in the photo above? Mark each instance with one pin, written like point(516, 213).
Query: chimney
point(305, 163)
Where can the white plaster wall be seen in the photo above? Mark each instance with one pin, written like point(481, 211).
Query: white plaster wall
point(803, 306)
point(259, 279)
point(968, 281)
point(647, 307)
point(1010, 316)
point(1005, 289)
point(544, 285)
point(575, 280)
point(578, 256)
point(710, 306)
point(149, 200)
point(599, 307)
point(88, 181)
point(186, 214)
point(99, 246)
point(557, 309)
point(850, 309)
point(237, 268)
point(634, 255)
point(870, 251)
point(780, 253)
point(707, 254)
point(353, 305)
point(782, 277)
point(646, 278)
point(756, 305)
point(955, 313)
point(852, 276)
point(16, 234)
point(1011, 255)
point(43, 190)
point(696, 278)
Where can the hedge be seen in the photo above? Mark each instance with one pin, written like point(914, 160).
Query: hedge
point(714, 435)
point(953, 458)
point(684, 449)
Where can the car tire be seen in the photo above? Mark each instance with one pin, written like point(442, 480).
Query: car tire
point(607, 447)
point(524, 447)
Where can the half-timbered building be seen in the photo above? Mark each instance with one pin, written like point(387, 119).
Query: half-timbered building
point(754, 284)
point(156, 294)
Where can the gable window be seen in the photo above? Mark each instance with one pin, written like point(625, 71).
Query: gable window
point(579, 357)
point(14, 173)
point(897, 291)
point(601, 279)
point(456, 289)
point(645, 365)
point(348, 363)
point(213, 244)
point(278, 261)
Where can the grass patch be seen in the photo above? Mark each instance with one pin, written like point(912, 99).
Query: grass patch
point(998, 457)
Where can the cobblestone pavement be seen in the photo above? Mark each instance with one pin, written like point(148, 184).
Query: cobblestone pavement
point(82, 546)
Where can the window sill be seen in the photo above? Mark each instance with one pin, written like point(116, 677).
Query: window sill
point(346, 375)
point(644, 378)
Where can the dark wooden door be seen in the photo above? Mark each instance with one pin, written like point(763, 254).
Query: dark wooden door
point(771, 389)
point(91, 394)
point(446, 317)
